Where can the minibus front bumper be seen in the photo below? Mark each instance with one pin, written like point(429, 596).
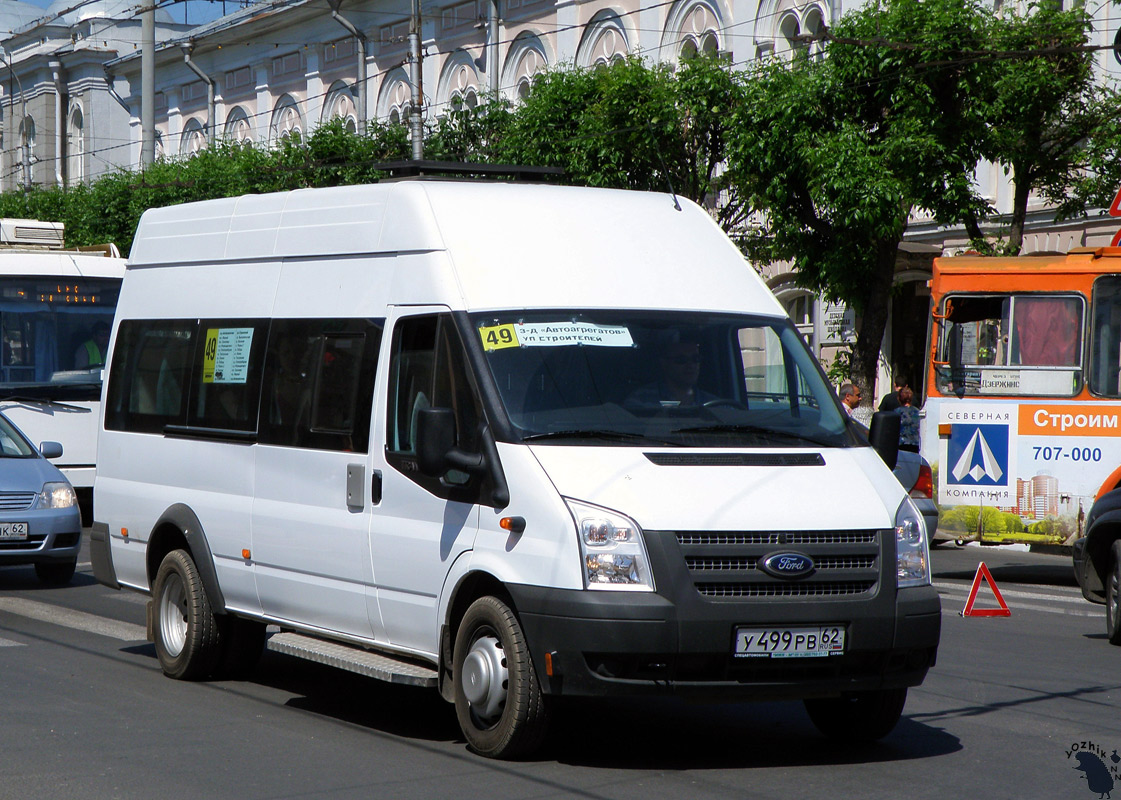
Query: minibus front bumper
point(615, 643)
point(682, 638)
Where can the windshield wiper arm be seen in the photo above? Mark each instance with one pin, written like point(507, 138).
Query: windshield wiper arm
point(585, 433)
point(45, 401)
point(751, 429)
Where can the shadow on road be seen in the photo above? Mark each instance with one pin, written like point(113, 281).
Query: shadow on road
point(660, 733)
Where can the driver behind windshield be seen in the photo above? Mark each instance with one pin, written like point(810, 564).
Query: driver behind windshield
point(679, 363)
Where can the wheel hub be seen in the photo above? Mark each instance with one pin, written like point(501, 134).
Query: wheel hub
point(485, 678)
point(173, 616)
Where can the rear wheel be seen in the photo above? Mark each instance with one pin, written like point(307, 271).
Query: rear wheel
point(187, 635)
point(858, 716)
point(1113, 595)
point(498, 699)
point(56, 573)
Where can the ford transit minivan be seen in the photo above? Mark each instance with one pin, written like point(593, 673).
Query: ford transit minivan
point(511, 442)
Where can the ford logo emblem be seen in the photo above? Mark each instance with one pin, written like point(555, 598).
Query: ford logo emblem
point(787, 565)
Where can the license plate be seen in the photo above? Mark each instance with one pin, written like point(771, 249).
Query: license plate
point(13, 530)
point(821, 640)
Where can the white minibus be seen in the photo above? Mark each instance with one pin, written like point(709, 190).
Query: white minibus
point(511, 442)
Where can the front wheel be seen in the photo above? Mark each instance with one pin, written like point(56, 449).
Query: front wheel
point(1113, 595)
point(498, 699)
point(858, 716)
point(187, 635)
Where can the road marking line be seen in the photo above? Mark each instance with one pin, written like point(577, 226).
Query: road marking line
point(10, 643)
point(1070, 612)
point(79, 620)
point(1073, 599)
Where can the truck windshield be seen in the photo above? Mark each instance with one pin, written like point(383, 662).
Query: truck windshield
point(54, 336)
point(672, 378)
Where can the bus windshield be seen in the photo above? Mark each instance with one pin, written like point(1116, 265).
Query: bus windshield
point(669, 378)
point(1011, 344)
point(54, 335)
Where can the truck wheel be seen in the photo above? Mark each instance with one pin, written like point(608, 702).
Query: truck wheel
point(56, 573)
point(1113, 595)
point(858, 716)
point(498, 699)
point(241, 641)
point(187, 638)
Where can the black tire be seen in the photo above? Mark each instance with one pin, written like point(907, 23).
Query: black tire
point(186, 629)
point(1113, 595)
point(501, 709)
point(858, 716)
point(241, 642)
point(56, 573)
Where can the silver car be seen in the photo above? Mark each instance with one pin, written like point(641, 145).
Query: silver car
point(39, 519)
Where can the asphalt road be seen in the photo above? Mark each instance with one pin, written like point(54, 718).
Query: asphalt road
point(86, 713)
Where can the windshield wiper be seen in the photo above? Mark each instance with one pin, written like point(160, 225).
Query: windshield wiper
point(586, 433)
point(752, 429)
point(42, 401)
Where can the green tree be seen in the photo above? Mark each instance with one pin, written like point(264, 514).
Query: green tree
point(1041, 106)
point(835, 153)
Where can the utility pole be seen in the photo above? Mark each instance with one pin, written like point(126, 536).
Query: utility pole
point(148, 84)
point(416, 131)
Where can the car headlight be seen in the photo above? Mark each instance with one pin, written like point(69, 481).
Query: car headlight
point(912, 552)
point(58, 494)
point(611, 548)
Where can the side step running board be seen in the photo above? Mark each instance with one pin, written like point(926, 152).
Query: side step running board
point(354, 659)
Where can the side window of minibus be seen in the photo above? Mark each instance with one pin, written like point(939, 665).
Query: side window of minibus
point(428, 369)
point(227, 374)
point(318, 384)
point(150, 375)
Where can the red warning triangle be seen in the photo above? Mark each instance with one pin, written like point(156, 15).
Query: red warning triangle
point(970, 611)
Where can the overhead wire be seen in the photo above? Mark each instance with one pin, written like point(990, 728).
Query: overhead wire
point(963, 57)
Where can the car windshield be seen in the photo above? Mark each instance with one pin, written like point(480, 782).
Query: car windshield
point(672, 378)
point(54, 334)
point(12, 443)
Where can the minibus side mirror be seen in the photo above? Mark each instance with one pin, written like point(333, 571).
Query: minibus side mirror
point(436, 452)
point(884, 436)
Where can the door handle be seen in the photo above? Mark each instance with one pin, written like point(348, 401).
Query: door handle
point(375, 487)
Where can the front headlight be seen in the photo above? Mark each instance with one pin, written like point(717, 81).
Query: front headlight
point(611, 548)
point(912, 552)
point(58, 494)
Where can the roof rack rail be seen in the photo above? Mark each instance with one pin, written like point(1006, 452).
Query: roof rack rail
point(460, 169)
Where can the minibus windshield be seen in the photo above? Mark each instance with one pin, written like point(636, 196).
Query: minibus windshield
point(54, 336)
point(653, 377)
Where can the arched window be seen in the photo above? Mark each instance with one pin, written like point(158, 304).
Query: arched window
point(692, 28)
point(395, 98)
point(526, 60)
point(340, 105)
point(76, 147)
point(286, 120)
point(192, 139)
point(237, 127)
point(459, 82)
point(605, 41)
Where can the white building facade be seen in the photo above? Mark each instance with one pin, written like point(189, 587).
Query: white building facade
point(70, 96)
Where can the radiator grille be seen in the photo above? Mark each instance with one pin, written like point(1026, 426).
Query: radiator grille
point(727, 564)
point(16, 501)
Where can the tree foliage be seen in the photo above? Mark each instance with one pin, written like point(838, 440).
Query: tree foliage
point(837, 152)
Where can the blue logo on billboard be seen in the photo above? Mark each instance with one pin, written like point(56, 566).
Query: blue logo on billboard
point(978, 455)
